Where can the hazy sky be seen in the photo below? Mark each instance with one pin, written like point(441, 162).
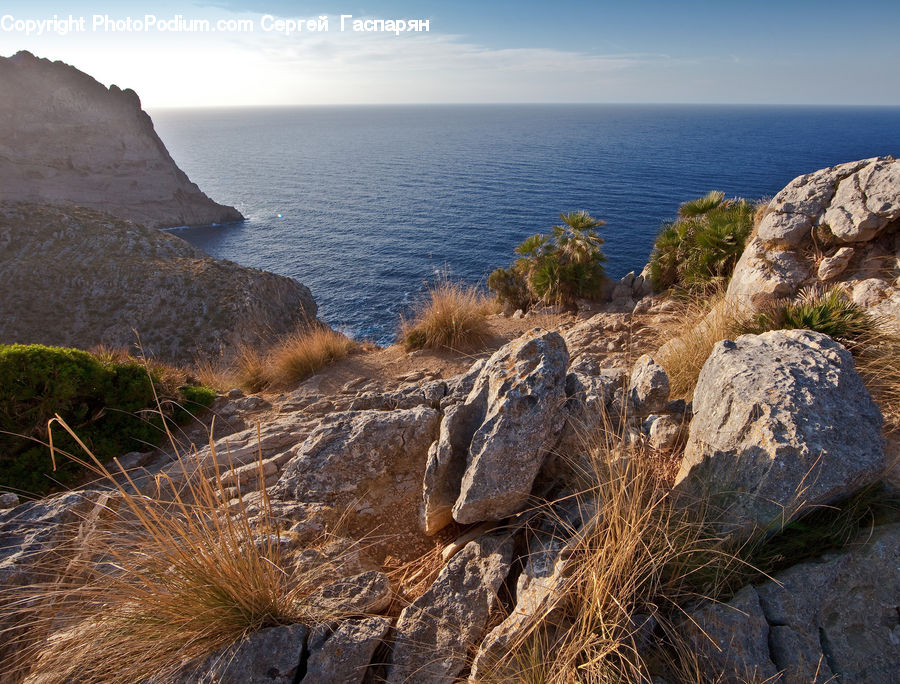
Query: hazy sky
point(797, 52)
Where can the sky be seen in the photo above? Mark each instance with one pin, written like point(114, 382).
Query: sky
point(764, 52)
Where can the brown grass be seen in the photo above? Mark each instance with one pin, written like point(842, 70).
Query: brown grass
point(289, 360)
point(156, 580)
point(689, 339)
point(634, 556)
point(450, 316)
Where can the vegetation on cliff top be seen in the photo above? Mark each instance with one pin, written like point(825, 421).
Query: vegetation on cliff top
point(109, 397)
point(555, 268)
point(699, 250)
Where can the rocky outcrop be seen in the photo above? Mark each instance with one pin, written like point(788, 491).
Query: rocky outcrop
point(492, 445)
point(77, 277)
point(648, 388)
point(835, 226)
point(434, 634)
point(360, 463)
point(781, 421)
point(65, 139)
point(342, 655)
point(834, 618)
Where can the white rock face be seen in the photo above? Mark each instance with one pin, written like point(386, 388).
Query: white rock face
point(66, 139)
point(837, 226)
point(781, 422)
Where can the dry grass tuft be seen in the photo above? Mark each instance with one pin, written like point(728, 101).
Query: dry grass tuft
point(633, 560)
point(149, 582)
point(689, 340)
point(450, 316)
point(292, 358)
point(300, 355)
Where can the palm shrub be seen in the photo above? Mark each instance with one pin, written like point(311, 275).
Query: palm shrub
point(700, 249)
point(555, 268)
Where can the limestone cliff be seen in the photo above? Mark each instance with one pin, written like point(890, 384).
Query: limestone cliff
point(79, 277)
point(67, 139)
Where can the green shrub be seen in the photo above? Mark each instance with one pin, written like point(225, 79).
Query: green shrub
point(557, 268)
point(110, 401)
point(701, 248)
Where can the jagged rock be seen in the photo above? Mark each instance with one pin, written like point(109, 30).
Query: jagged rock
point(435, 632)
point(648, 388)
point(342, 655)
point(732, 638)
point(833, 266)
point(857, 203)
point(367, 592)
point(538, 587)
point(492, 445)
point(781, 421)
point(372, 460)
point(865, 202)
point(834, 618)
point(664, 433)
point(113, 277)
point(68, 140)
point(269, 656)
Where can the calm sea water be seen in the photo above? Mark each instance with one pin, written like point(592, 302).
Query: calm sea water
point(365, 204)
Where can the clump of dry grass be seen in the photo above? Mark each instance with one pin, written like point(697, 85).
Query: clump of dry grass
point(290, 359)
point(690, 337)
point(633, 561)
point(449, 316)
point(155, 581)
point(300, 355)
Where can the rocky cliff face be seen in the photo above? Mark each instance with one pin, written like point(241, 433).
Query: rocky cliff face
point(66, 139)
point(78, 277)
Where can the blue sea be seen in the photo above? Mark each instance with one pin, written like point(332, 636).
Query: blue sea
point(366, 205)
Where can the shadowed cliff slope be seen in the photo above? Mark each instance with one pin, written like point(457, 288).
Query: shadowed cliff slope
point(79, 277)
point(67, 139)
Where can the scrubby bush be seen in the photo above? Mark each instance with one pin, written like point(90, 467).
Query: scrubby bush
point(104, 396)
point(557, 268)
point(700, 249)
point(449, 316)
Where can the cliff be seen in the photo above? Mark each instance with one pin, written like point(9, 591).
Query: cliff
point(67, 139)
point(79, 277)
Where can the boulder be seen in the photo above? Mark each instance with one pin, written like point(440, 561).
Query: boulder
point(732, 639)
point(269, 656)
point(830, 619)
point(664, 433)
point(492, 445)
point(342, 655)
point(648, 388)
point(436, 631)
point(782, 421)
point(851, 212)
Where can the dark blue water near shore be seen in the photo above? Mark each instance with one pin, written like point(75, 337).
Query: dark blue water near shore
point(364, 204)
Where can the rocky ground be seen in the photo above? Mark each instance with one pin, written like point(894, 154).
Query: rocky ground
point(436, 460)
